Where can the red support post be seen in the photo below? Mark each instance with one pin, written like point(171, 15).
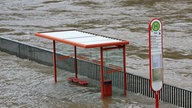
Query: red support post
point(157, 99)
point(124, 66)
point(54, 62)
point(102, 73)
point(75, 61)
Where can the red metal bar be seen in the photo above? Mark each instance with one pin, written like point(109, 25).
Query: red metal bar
point(54, 62)
point(149, 52)
point(157, 99)
point(75, 61)
point(110, 48)
point(102, 73)
point(124, 66)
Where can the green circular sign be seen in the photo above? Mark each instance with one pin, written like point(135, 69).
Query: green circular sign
point(155, 26)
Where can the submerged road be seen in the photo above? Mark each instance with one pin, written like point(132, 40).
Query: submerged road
point(24, 83)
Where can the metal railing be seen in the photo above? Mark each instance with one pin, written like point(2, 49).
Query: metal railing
point(137, 84)
point(170, 94)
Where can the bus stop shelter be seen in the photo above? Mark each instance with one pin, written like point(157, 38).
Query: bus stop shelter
point(83, 39)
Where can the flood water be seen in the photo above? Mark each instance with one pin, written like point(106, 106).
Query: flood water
point(27, 84)
point(124, 19)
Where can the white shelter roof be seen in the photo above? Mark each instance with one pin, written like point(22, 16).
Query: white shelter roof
point(81, 39)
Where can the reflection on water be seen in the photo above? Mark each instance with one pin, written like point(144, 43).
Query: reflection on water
point(125, 19)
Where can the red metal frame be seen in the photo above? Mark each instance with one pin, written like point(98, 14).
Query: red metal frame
point(102, 69)
point(116, 47)
point(124, 66)
point(75, 61)
point(102, 73)
point(54, 61)
point(120, 44)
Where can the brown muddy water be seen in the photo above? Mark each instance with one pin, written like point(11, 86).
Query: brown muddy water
point(125, 19)
point(22, 86)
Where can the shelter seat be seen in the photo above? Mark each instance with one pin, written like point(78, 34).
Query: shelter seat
point(76, 80)
point(82, 82)
point(71, 79)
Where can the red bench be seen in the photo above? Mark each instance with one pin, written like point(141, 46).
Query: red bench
point(79, 81)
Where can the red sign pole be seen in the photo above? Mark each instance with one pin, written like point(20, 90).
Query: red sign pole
point(156, 57)
point(157, 99)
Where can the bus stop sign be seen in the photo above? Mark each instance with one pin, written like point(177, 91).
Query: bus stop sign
point(155, 54)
